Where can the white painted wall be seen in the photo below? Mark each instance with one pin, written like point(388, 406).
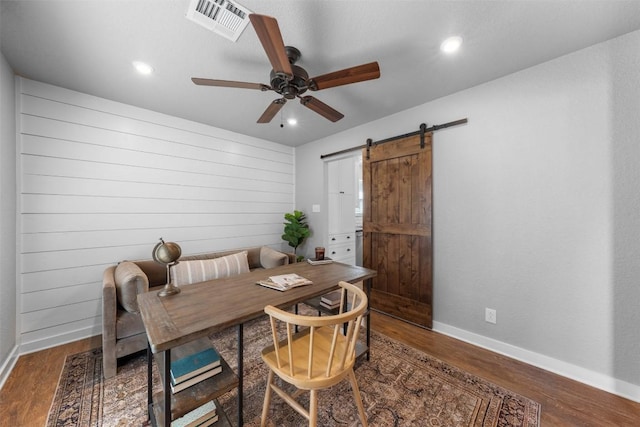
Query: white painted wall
point(8, 343)
point(101, 181)
point(536, 211)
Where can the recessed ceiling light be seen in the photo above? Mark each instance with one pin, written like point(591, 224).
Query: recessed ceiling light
point(143, 68)
point(451, 45)
point(292, 121)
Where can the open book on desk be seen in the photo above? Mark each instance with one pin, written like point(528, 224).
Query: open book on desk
point(284, 282)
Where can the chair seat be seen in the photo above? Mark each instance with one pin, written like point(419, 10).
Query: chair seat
point(318, 377)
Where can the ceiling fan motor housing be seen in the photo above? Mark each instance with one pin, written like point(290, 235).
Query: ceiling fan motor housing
point(290, 88)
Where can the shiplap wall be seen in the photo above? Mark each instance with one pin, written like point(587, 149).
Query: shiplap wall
point(101, 181)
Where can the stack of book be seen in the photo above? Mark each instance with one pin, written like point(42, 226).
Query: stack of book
point(193, 363)
point(202, 416)
point(331, 300)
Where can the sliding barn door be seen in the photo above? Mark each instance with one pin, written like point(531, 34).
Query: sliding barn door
point(397, 227)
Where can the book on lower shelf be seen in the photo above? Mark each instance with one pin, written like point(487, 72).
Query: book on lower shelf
point(192, 360)
point(209, 422)
point(330, 306)
point(202, 416)
point(177, 387)
point(285, 282)
point(315, 261)
point(332, 299)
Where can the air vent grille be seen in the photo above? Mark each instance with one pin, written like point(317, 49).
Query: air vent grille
point(223, 17)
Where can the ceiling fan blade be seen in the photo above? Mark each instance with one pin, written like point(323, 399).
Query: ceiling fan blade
point(269, 34)
point(229, 83)
point(272, 110)
point(347, 76)
point(321, 108)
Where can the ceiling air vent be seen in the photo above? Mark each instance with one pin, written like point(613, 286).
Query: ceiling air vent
point(226, 18)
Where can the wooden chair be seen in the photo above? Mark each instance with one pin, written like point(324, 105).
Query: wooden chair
point(319, 356)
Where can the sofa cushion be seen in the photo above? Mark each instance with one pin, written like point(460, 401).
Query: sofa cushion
point(194, 271)
point(128, 324)
point(270, 258)
point(130, 281)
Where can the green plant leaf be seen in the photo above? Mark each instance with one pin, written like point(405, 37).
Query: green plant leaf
point(296, 230)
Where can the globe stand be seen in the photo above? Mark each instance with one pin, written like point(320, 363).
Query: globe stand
point(169, 288)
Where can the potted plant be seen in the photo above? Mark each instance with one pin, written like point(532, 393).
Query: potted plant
point(296, 230)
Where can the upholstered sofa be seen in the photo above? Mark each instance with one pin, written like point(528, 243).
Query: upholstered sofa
point(122, 329)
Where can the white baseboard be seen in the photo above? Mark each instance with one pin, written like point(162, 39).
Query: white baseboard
point(56, 340)
point(8, 365)
point(577, 373)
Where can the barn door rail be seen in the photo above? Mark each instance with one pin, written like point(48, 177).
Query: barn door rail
point(423, 130)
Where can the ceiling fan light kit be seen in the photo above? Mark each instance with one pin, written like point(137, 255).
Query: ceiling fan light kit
point(292, 81)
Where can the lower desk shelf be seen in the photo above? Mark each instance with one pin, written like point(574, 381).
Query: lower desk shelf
point(190, 398)
point(315, 303)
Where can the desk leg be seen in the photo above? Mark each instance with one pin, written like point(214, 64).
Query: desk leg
point(367, 284)
point(149, 383)
point(167, 388)
point(240, 372)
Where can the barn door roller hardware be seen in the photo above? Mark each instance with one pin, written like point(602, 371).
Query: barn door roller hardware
point(423, 130)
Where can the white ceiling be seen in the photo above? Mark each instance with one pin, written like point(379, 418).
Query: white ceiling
point(88, 46)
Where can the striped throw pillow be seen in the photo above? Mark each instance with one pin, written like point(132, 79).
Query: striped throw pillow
point(194, 271)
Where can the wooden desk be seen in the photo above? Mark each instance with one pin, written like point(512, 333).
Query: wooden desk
point(207, 307)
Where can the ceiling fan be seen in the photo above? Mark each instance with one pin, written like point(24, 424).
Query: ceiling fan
point(290, 80)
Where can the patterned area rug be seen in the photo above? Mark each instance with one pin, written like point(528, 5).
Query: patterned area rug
point(400, 386)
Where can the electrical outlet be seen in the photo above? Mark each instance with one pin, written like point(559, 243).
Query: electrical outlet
point(490, 315)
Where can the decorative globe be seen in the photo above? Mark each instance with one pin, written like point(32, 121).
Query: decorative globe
point(166, 252)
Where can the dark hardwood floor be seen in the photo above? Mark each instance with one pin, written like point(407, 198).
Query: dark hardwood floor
point(26, 396)
point(27, 393)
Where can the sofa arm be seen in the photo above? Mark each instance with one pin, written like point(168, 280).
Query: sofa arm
point(109, 314)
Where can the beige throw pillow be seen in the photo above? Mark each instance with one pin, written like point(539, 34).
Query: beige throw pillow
point(194, 271)
point(270, 258)
point(130, 281)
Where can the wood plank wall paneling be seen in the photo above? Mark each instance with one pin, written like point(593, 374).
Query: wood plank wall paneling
point(101, 182)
